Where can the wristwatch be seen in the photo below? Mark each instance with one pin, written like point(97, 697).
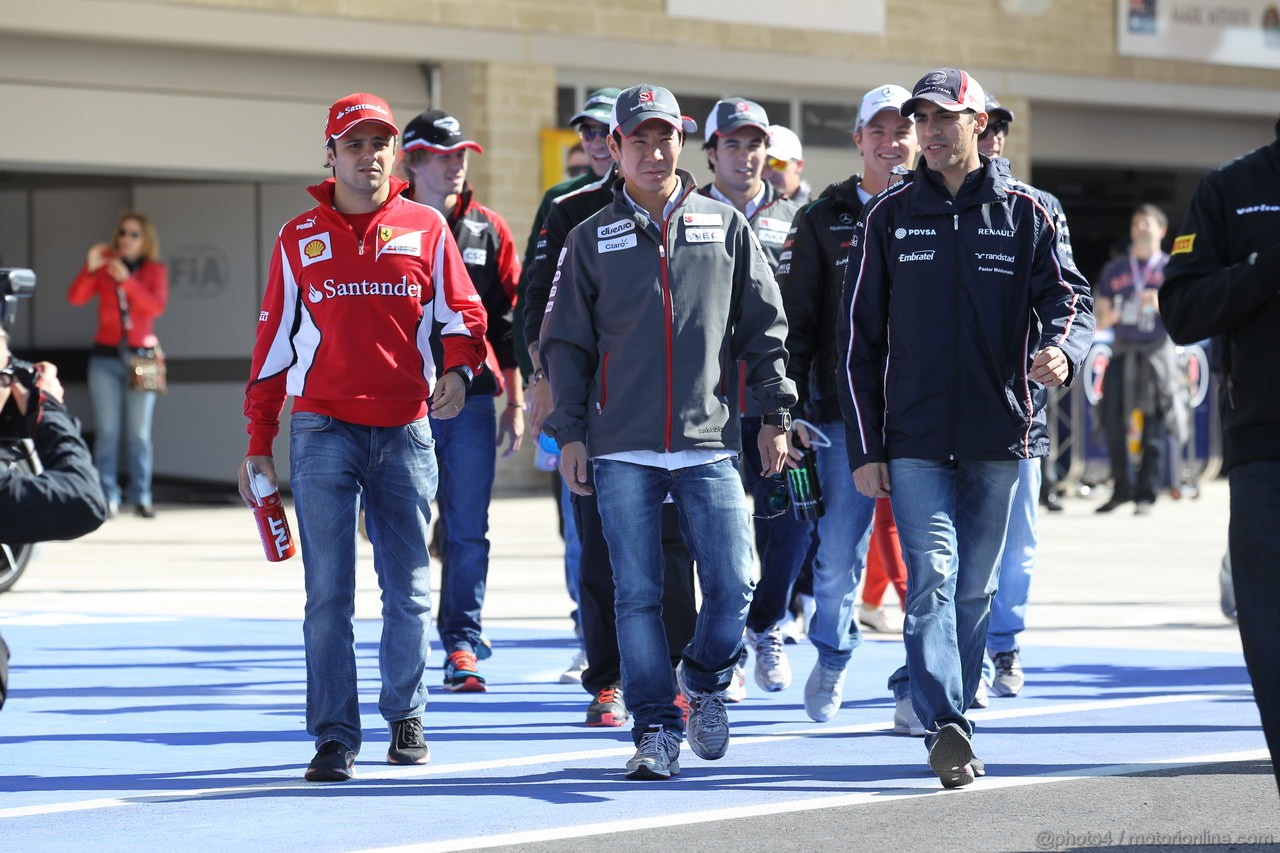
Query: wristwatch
point(780, 419)
point(466, 374)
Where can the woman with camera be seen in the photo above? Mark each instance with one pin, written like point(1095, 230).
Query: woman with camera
point(126, 364)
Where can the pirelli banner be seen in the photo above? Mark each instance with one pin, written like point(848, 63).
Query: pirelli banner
point(1226, 32)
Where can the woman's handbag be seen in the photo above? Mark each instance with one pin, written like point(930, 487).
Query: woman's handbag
point(147, 371)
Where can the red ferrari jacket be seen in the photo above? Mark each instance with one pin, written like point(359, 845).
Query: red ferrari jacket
point(347, 318)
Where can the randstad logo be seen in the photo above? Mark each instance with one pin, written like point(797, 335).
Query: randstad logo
point(914, 232)
point(331, 289)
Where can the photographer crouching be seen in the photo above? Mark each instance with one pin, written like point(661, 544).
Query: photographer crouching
point(49, 487)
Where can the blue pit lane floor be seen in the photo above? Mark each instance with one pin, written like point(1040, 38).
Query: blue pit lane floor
point(154, 733)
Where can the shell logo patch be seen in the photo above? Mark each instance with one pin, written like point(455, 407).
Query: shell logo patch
point(1183, 244)
point(315, 249)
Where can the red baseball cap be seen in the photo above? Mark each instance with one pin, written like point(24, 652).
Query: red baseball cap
point(353, 109)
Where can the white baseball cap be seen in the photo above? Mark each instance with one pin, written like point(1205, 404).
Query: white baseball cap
point(890, 96)
point(784, 144)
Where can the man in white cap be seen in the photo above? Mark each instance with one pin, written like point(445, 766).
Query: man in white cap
point(811, 281)
point(354, 288)
point(658, 297)
point(958, 306)
point(786, 163)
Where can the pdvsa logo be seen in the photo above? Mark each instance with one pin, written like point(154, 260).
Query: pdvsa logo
point(903, 233)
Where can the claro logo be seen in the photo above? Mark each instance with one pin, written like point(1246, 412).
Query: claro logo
point(331, 289)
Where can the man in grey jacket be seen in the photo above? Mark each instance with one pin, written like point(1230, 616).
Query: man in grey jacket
point(656, 299)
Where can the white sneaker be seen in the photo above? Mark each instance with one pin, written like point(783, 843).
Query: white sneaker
point(981, 698)
point(773, 671)
point(822, 692)
point(879, 620)
point(737, 689)
point(905, 721)
point(573, 675)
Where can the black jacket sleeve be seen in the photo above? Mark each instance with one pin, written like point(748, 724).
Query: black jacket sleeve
point(1206, 290)
point(63, 502)
point(542, 270)
point(802, 280)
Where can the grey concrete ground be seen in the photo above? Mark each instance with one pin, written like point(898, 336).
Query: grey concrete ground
point(1116, 582)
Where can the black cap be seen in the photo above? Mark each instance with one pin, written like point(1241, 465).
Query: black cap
point(732, 114)
point(997, 112)
point(436, 130)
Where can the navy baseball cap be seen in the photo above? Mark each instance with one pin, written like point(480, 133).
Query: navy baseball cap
point(436, 130)
point(950, 88)
point(732, 114)
point(641, 103)
point(997, 112)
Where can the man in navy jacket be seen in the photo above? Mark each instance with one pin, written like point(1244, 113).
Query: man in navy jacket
point(957, 304)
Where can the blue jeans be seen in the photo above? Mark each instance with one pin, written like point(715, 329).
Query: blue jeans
point(1009, 606)
point(466, 447)
point(717, 526)
point(782, 543)
point(572, 552)
point(844, 534)
point(113, 405)
point(952, 517)
point(334, 465)
point(1254, 541)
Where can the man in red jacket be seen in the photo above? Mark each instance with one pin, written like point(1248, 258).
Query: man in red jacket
point(356, 288)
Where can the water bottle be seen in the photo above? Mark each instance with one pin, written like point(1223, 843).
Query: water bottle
point(268, 512)
point(806, 491)
point(546, 454)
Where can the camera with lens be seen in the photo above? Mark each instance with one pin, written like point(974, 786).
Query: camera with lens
point(16, 283)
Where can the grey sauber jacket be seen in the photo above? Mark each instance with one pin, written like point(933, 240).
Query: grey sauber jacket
point(646, 322)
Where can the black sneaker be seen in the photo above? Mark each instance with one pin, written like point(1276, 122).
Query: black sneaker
point(408, 746)
point(333, 763)
point(951, 757)
point(608, 708)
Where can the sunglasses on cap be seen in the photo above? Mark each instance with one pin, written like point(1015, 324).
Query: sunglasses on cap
point(776, 164)
point(589, 134)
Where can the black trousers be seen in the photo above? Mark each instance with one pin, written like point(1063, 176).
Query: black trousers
point(595, 594)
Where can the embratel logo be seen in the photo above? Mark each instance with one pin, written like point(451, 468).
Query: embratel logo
point(315, 249)
point(915, 256)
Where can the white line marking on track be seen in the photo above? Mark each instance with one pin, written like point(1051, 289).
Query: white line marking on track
point(740, 741)
point(810, 804)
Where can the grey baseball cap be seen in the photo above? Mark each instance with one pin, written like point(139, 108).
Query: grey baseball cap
point(641, 103)
point(732, 114)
